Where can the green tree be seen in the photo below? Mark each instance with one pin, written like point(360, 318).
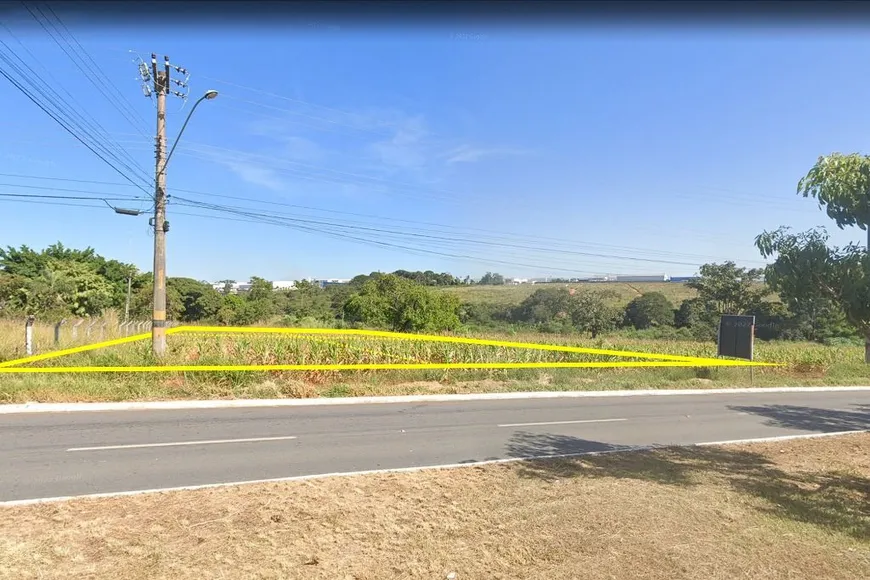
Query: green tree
point(429, 278)
point(699, 317)
point(261, 289)
point(546, 306)
point(841, 185)
point(233, 311)
point(187, 300)
point(561, 310)
point(825, 280)
point(592, 311)
point(402, 305)
point(193, 300)
point(309, 300)
point(727, 289)
point(338, 294)
point(649, 310)
point(492, 279)
point(31, 265)
point(23, 261)
point(261, 301)
point(60, 289)
point(724, 289)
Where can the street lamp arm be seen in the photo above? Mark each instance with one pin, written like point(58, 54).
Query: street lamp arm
point(208, 95)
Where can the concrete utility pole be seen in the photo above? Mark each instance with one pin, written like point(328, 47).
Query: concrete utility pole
point(158, 314)
point(162, 83)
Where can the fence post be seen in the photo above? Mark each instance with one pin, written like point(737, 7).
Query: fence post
point(88, 329)
point(28, 335)
point(57, 331)
point(103, 330)
point(75, 329)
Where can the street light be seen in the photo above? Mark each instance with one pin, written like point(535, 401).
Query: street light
point(123, 210)
point(208, 96)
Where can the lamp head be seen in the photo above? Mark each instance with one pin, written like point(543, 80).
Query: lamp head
point(210, 94)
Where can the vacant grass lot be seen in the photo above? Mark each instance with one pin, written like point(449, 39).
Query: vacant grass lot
point(805, 364)
point(791, 510)
point(625, 292)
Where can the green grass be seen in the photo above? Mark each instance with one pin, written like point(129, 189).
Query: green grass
point(625, 292)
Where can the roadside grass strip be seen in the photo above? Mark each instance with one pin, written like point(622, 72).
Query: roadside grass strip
point(652, 359)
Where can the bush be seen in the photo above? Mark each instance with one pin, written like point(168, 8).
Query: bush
point(402, 305)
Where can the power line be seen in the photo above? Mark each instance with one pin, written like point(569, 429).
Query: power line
point(66, 128)
point(344, 236)
point(241, 211)
point(404, 248)
point(491, 234)
point(59, 203)
point(66, 125)
point(32, 195)
point(309, 172)
point(44, 188)
point(118, 100)
point(93, 123)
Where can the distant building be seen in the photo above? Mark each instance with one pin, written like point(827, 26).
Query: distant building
point(236, 287)
point(331, 282)
point(661, 278)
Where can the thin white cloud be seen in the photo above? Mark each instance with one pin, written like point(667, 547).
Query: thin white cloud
point(469, 154)
point(406, 149)
point(255, 174)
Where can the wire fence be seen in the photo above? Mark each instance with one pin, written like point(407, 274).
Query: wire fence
point(24, 337)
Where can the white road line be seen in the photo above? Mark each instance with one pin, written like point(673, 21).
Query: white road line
point(561, 422)
point(179, 443)
point(399, 399)
point(626, 449)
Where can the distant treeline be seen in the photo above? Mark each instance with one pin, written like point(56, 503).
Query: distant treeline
point(60, 282)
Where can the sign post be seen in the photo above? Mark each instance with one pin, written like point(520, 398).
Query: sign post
point(737, 338)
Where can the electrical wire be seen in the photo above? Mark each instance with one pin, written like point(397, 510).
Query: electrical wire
point(118, 100)
point(343, 236)
point(439, 228)
point(65, 125)
point(242, 211)
point(133, 165)
point(31, 195)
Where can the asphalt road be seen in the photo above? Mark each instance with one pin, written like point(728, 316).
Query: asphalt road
point(46, 455)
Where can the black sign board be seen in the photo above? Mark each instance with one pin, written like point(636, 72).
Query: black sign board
point(737, 336)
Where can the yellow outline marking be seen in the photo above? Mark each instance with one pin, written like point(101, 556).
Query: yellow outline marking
point(437, 338)
point(377, 366)
point(9, 367)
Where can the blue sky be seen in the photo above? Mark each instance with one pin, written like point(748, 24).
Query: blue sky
point(529, 152)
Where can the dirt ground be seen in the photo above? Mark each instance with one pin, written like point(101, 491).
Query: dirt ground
point(798, 509)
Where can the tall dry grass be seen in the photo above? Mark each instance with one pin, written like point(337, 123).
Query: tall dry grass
point(804, 364)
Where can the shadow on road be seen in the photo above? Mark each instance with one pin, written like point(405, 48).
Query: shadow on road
point(830, 499)
point(811, 419)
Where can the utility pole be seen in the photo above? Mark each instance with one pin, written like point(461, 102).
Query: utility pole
point(158, 314)
point(162, 81)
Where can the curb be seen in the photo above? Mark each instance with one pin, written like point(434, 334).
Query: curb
point(314, 402)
